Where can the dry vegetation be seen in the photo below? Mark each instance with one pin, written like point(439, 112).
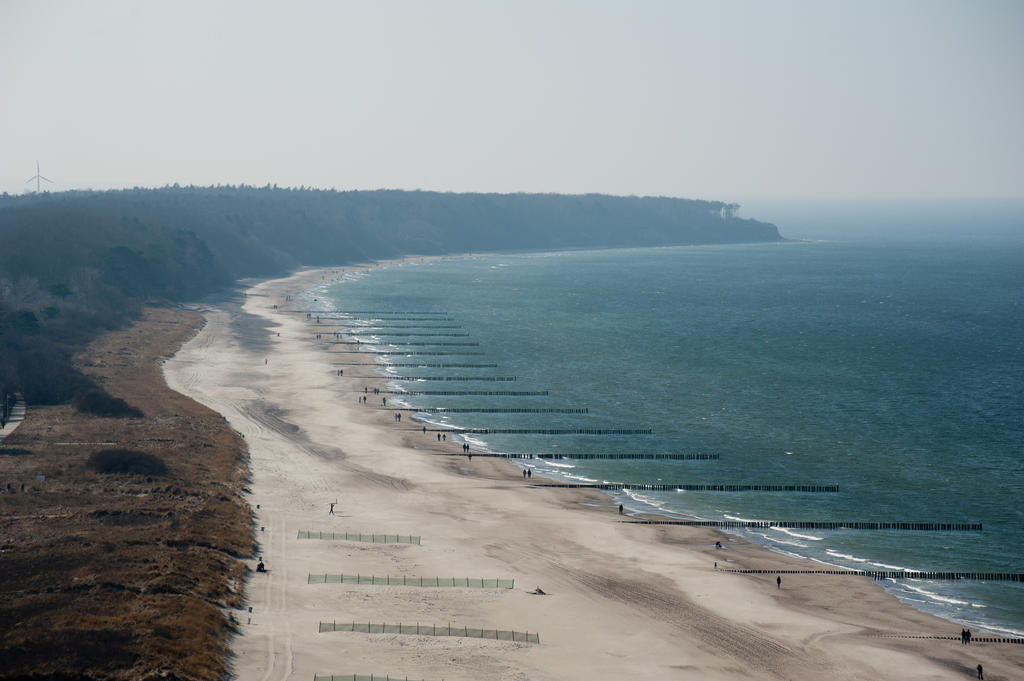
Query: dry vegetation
point(122, 575)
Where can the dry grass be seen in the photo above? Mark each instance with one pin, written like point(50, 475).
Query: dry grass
point(123, 575)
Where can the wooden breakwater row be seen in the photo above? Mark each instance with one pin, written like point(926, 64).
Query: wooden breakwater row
point(895, 574)
point(946, 637)
point(408, 335)
point(460, 393)
point(521, 455)
point(627, 457)
point(413, 353)
point(395, 326)
point(817, 525)
point(542, 431)
point(688, 487)
point(324, 313)
point(445, 378)
point(490, 365)
point(490, 410)
point(351, 319)
point(450, 344)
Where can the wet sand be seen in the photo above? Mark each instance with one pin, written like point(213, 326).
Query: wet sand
point(624, 601)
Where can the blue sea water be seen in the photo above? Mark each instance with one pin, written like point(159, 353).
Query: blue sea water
point(891, 369)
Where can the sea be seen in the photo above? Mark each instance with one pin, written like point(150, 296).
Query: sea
point(893, 369)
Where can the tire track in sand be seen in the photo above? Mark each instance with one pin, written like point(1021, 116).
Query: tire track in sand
point(669, 606)
point(280, 656)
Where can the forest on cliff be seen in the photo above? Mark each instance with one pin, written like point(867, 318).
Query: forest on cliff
point(73, 264)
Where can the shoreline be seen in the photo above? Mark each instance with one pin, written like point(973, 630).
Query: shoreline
point(642, 509)
point(683, 616)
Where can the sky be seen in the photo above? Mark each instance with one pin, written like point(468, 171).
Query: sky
point(720, 100)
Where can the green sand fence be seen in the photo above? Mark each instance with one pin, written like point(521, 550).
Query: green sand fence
point(471, 582)
point(431, 630)
point(359, 536)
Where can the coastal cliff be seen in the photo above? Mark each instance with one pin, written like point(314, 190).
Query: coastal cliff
point(75, 263)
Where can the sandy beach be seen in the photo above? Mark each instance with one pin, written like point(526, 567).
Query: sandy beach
point(622, 601)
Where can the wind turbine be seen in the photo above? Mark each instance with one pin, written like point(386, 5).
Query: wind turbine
point(38, 177)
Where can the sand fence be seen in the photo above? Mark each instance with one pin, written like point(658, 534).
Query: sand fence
point(360, 536)
point(431, 630)
point(467, 582)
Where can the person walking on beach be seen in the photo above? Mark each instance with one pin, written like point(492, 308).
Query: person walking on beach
point(778, 581)
point(331, 512)
point(981, 673)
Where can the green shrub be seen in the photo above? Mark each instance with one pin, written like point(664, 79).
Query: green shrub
point(101, 404)
point(126, 461)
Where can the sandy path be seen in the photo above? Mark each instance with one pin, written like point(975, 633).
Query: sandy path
point(626, 601)
point(16, 416)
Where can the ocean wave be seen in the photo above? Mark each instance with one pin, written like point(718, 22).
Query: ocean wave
point(428, 421)
point(791, 533)
point(559, 465)
point(931, 595)
point(779, 540)
point(475, 442)
point(645, 500)
point(845, 556)
point(741, 519)
point(570, 476)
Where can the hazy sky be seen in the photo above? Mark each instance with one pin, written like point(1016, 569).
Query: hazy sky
point(718, 100)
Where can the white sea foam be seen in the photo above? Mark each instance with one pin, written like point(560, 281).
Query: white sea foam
point(741, 519)
point(474, 442)
point(645, 500)
point(845, 556)
point(559, 465)
point(931, 595)
point(580, 478)
point(791, 533)
point(778, 540)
